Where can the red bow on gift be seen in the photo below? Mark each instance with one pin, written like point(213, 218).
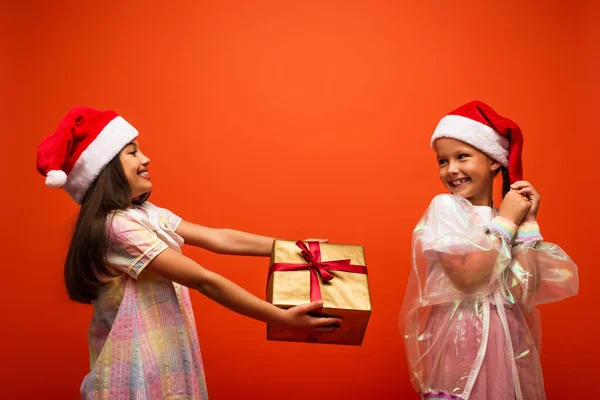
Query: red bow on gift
point(312, 254)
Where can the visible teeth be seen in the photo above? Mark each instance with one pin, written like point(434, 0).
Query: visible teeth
point(144, 174)
point(460, 182)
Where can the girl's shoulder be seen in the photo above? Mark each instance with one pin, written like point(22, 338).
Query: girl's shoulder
point(450, 202)
point(151, 207)
point(146, 208)
point(138, 214)
point(452, 212)
point(146, 215)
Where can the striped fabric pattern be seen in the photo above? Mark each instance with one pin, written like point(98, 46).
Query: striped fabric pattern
point(143, 342)
point(504, 227)
point(528, 232)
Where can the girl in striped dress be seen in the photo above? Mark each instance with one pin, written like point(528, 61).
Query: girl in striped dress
point(125, 259)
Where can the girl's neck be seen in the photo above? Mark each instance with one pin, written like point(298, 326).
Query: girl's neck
point(483, 199)
point(482, 204)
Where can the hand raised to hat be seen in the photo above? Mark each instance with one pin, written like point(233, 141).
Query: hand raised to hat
point(514, 207)
point(525, 188)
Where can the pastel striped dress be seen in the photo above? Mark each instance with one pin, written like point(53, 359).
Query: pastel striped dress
point(143, 342)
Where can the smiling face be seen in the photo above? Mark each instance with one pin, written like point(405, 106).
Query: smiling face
point(135, 166)
point(466, 171)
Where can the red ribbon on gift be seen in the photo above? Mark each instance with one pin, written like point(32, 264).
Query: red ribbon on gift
point(312, 254)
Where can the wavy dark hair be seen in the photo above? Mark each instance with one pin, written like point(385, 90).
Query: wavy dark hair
point(86, 270)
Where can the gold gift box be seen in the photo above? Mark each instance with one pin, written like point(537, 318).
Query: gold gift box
point(346, 295)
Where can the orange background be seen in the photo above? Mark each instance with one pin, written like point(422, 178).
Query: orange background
point(292, 119)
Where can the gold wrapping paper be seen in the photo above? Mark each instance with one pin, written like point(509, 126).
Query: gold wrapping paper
point(346, 296)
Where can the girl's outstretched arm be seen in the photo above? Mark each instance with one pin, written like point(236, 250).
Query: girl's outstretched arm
point(225, 241)
point(176, 267)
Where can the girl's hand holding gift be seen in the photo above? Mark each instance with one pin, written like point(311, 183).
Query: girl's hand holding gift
point(298, 319)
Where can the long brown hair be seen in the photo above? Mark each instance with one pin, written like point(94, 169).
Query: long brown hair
point(86, 270)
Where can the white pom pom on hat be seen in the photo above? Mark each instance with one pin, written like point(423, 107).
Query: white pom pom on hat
point(56, 178)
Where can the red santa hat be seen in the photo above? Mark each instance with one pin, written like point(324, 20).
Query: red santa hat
point(84, 143)
point(479, 125)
